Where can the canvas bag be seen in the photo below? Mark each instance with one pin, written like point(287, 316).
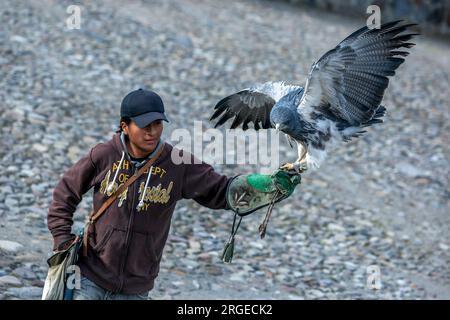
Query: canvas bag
point(55, 287)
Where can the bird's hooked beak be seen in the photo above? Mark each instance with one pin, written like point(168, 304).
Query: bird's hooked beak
point(277, 128)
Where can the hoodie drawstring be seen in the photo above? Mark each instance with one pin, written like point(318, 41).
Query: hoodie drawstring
point(141, 202)
point(111, 185)
point(140, 164)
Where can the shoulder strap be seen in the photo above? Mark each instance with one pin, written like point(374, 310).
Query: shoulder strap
point(95, 215)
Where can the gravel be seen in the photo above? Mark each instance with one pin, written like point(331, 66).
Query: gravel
point(378, 201)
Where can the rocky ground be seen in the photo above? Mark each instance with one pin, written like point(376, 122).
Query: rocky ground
point(381, 200)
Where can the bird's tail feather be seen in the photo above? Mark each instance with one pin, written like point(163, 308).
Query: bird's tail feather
point(354, 132)
point(377, 117)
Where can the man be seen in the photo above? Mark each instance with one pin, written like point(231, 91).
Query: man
point(125, 246)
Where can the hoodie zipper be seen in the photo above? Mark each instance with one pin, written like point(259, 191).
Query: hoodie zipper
point(127, 236)
point(130, 221)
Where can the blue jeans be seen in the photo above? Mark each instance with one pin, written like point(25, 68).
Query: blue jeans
point(90, 291)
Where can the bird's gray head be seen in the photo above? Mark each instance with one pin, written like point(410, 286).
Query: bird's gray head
point(284, 114)
point(282, 119)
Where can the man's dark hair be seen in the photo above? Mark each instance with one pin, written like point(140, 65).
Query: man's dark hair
point(126, 120)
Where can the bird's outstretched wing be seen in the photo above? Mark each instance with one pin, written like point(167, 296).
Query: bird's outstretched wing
point(251, 105)
point(349, 81)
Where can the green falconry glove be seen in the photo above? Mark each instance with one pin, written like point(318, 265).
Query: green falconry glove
point(248, 193)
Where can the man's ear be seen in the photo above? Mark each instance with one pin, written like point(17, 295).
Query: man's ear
point(124, 127)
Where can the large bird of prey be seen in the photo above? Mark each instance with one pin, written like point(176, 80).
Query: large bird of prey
point(342, 95)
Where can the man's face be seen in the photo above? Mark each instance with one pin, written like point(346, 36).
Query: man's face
point(146, 139)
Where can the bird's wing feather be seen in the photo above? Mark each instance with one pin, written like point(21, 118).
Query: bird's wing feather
point(251, 105)
point(349, 81)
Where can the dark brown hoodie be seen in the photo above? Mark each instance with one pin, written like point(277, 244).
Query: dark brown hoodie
point(125, 250)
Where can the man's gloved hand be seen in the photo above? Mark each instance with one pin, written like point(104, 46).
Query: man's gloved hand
point(248, 193)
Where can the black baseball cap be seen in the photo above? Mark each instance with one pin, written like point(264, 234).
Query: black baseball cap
point(143, 107)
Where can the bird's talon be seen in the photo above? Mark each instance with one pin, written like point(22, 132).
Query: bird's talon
point(295, 167)
point(301, 167)
point(287, 167)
